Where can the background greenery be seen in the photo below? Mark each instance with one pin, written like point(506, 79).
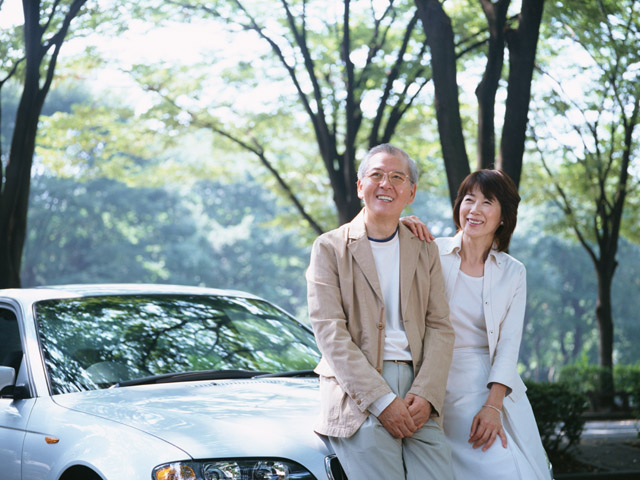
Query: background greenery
point(139, 177)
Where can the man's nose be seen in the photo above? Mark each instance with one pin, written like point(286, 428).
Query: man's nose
point(385, 180)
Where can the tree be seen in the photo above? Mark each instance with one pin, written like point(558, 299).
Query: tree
point(46, 25)
point(596, 141)
point(357, 71)
point(521, 42)
point(559, 316)
point(354, 67)
point(101, 230)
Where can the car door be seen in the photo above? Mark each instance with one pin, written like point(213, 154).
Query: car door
point(14, 414)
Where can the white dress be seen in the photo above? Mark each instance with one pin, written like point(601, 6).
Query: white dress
point(467, 392)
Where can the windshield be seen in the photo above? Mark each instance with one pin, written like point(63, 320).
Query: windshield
point(95, 342)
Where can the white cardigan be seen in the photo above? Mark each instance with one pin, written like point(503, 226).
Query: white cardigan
point(505, 296)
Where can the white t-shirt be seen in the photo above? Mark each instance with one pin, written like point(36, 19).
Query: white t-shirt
point(466, 314)
point(386, 254)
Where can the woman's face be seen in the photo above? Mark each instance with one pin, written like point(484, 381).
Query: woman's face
point(480, 216)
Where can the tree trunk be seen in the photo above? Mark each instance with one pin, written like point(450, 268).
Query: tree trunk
point(577, 333)
point(604, 316)
point(14, 193)
point(496, 14)
point(349, 206)
point(345, 193)
point(522, 45)
point(437, 27)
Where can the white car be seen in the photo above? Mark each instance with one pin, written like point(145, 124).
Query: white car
point(152, 382)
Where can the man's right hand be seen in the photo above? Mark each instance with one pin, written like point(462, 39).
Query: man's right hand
point(397, 419)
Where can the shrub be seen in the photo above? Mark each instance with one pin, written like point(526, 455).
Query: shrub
point(558, 410)
point(585, 378)
point(626, 377)
point(581, 377)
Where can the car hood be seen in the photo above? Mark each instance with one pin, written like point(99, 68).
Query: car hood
point(222, 418)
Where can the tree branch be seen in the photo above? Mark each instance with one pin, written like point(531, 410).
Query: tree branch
point(57, 39)
point(12, 72)
point(256, 149)
point(565, 205)
point(324, 136)
point(353, 112)
point(376, 42)
point(259, 152)
point(392, 77)
point(496, 15)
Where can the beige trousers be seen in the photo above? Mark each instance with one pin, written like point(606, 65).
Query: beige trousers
point(373, 454)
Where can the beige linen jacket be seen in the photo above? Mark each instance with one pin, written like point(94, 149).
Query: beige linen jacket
point(347, 314)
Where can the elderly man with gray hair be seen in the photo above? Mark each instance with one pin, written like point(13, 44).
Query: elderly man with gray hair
point(378, 309)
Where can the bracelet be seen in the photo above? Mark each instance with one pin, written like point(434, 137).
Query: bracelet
point(495, 408)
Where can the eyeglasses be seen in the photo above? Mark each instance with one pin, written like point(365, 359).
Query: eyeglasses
point(395, 178)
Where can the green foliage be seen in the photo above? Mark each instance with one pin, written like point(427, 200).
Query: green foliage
point(216, 235)
point(130, 221)
point(559, 323)
point(584, 117)
point(93, 18)
point(284, 99)
point(585, 377)
point(558, 410)
point(94, 141)
point(581, 377)
point(627, 379)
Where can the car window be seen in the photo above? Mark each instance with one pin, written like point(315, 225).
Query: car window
point(95, 342)
point(10, 344)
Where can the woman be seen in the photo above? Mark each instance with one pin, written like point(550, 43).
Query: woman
point(486, 288)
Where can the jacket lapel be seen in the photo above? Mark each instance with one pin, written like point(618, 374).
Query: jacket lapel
point(361, 252)
point(409, 246)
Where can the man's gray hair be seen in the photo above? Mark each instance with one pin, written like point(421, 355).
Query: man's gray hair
point(394, 151)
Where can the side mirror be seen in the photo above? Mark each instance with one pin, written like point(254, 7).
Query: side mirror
point(7, 377)
point(8, 388)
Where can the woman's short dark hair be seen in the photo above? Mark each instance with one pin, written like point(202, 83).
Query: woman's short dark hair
point(493, 184)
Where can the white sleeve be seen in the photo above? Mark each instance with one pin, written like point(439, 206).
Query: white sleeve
point(378, 406)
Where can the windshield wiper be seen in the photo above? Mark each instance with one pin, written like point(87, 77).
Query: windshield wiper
point(189, 376)
point(292, 373)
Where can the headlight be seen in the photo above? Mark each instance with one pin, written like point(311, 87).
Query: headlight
point(240, 469)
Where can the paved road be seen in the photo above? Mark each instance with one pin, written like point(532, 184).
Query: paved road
point(611, 445)
point(594, 429)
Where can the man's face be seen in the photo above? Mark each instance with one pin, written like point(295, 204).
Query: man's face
point(380, 188)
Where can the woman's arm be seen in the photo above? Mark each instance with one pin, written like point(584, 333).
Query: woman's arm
point(507, 318)
point(487, 424)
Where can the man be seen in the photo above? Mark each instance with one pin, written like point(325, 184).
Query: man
point(381, 320)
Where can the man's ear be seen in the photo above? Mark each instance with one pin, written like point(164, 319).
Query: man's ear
point(414, 188)
point(360, 194)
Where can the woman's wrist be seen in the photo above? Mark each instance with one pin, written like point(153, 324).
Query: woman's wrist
point(497, 392)
point(493, 407)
